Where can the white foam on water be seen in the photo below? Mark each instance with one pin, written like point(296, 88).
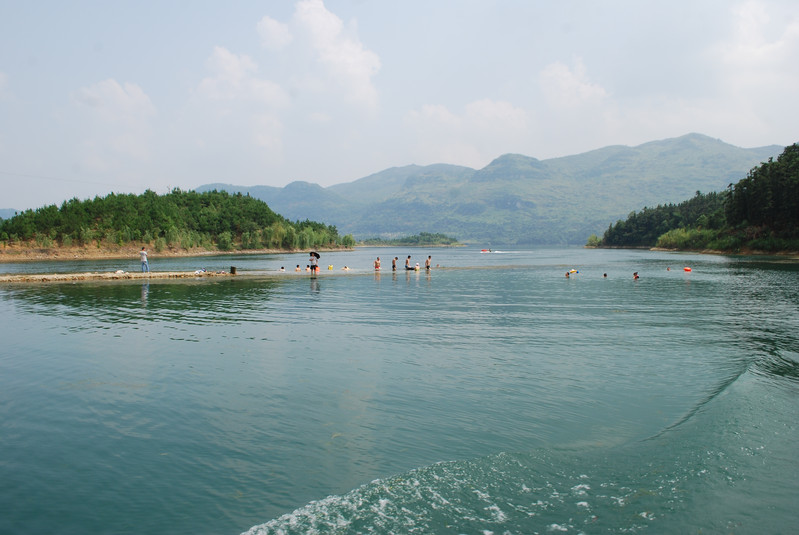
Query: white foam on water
point(581, 490)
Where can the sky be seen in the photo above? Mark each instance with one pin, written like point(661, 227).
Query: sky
point(124, 96)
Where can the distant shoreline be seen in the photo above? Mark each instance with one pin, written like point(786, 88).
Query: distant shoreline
point(33, 254)
point(17, 253)
point(744, 252)
point(412, 246)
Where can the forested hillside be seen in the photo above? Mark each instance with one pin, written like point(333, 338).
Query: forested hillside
point(642, 229)
point(180, 219)
point(759, 212)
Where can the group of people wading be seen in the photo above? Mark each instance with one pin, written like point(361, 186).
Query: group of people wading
point(314, 264)
point(408, 266)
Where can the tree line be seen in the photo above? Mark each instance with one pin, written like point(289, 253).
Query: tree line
point(179, 219)
point(760, 212)
point(417, 240)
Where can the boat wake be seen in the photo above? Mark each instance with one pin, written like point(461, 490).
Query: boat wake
point(710, 460)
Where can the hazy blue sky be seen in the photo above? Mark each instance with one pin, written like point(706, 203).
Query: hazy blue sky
point(101, 96)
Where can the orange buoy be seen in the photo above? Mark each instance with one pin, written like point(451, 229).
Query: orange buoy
point(686, 269)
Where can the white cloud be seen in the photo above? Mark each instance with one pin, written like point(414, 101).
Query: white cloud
point(344, 57)
point(565, 87)
point(319, 69)
point(274, 34)
point(750, 45)
point(232, 78)
point(759, 46)
point(235, 112)
point(757, 67)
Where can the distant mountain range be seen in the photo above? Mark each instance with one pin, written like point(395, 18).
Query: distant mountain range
point(7, 213)
point(516, 199)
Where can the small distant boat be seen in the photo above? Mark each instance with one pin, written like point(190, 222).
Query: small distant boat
point(485, 250)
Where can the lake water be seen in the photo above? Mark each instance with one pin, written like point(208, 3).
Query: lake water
point(491, 395)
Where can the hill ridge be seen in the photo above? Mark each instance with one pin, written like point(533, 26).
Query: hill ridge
point(518, 199)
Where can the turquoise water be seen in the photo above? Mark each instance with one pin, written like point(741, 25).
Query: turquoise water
point(492, 395)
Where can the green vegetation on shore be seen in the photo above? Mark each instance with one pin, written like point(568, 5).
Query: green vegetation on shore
point(417, 240)
point(759, 212)
point(211, 220)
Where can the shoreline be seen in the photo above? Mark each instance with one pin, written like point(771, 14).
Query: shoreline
point(11, 254)
point(745, 252)
point(34, 254)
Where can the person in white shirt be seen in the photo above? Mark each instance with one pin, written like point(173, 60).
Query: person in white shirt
point(145, 266)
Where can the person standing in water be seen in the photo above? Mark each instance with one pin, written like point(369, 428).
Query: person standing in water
point(394, 264)
point(427, 263)
point(314, 264)
point(145, 266)
point(377, 264)
point(408, 265)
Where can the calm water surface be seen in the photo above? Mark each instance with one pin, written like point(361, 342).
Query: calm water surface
point(491, 395)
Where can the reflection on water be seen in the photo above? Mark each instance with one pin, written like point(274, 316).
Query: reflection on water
point(195, 301)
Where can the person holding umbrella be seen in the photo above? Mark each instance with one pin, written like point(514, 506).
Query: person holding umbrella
point(314, 262)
